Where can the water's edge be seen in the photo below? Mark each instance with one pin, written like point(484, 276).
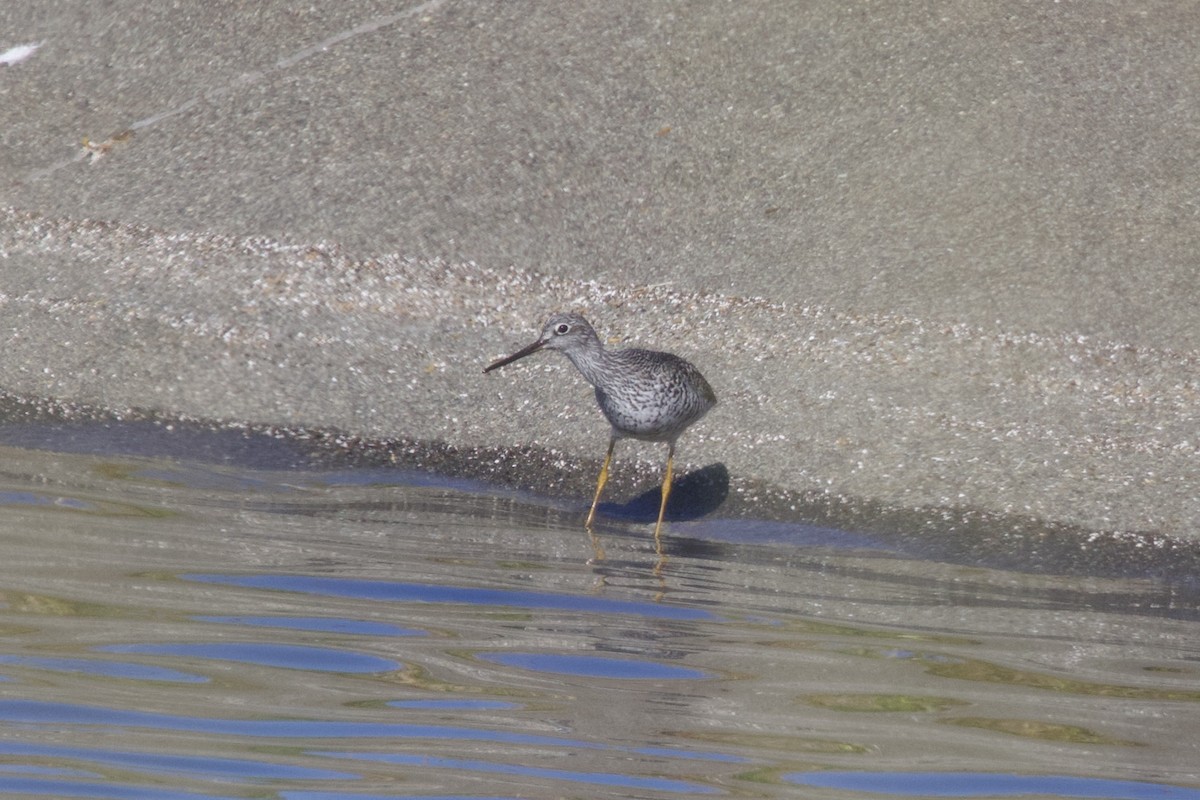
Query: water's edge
point(957, 535)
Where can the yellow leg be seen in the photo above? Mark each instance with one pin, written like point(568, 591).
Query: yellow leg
point(600, 483)
point(666, 492)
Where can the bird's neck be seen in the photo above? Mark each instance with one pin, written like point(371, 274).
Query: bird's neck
point(591, 361)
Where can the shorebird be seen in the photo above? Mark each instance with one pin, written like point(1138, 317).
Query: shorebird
point(644, 394)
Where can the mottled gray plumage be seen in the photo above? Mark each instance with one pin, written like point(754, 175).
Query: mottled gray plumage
point(644, 394)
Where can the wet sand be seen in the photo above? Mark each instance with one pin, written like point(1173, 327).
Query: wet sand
point(937, 262)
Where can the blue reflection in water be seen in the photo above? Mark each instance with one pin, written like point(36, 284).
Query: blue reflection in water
point(49, 787)
point(288, 656)
point(395, 591)
point(324, 624)
point(44, 500)
point(594, 666)
point(34, 711)
point(41, 712)
point(57, 772)
point(977, 784)
point(203, 766)
point(474, 765)
point(107, 669)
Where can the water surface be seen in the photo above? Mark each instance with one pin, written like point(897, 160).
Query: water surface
point(184, 628)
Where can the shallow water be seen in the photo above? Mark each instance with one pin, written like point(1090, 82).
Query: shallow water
point(186, 628)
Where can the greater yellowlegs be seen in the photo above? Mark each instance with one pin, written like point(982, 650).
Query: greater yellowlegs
point(645, 394)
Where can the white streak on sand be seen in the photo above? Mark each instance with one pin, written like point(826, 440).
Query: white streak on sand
point(252, 77)
point(15, 55)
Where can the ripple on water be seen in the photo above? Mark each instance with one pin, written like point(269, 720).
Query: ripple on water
point(582, 666)
point(352, 642)
point(609, 779)
point(174, 764)
point(109, 669)
point(401, 591)
point(286, 656)
point(987, 784)
point(34, 712)
point(459, 704)
point(354, 627)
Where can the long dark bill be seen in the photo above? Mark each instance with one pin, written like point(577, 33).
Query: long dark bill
point(524, 351)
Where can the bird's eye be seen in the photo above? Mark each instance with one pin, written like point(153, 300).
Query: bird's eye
point(562, 328)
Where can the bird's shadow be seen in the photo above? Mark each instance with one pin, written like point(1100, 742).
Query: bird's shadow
point(694, 495)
